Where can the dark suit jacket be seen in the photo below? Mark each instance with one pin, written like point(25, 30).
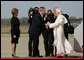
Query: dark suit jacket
point(37, 25)
point(15, 23)
point(50, 19)
point(30, 20)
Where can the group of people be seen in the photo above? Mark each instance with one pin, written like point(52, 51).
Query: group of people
point(50, 25)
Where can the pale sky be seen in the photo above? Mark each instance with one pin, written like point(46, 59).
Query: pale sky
point(73, 8)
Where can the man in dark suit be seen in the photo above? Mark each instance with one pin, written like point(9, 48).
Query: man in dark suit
point(48, 34)
point(31, 14)
point(35, 30)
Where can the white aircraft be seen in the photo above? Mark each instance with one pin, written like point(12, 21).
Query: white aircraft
point(78, 38)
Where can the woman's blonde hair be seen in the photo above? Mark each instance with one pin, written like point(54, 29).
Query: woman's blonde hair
point(14, 10)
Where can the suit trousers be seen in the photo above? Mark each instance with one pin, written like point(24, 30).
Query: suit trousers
point(48, 41)
point(33, 44)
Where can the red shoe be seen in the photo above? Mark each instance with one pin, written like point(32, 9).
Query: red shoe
point(56, 56)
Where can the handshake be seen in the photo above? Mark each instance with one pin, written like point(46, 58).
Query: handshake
point(47, 24)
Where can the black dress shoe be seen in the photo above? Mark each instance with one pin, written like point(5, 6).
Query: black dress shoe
point(66, 55)
point(30, 55)
point(14, 55)
point(39, 56)
point(47, 55)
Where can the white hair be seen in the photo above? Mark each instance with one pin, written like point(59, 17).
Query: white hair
point(58, 10)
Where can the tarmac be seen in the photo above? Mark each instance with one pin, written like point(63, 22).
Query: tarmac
point(22, 46)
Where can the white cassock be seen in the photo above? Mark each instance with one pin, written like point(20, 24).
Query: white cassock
point(62, 44)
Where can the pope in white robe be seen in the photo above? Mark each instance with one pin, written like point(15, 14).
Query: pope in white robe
point(62, 44)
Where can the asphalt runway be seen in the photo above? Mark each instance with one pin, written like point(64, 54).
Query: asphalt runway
point(22, 47)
